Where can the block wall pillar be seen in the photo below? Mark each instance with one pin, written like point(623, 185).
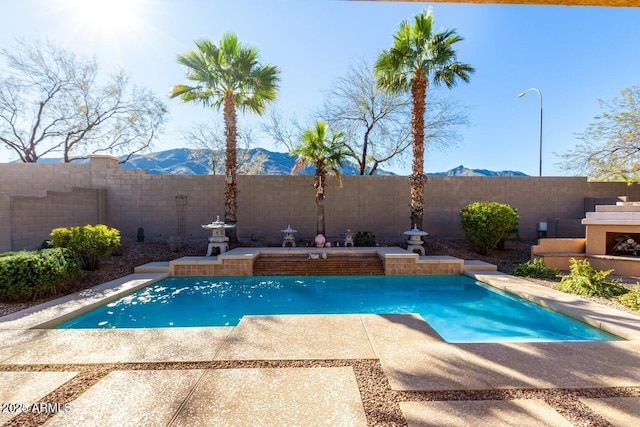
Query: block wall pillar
point(5, 222)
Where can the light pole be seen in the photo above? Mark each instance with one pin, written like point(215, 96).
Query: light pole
point(533, 89)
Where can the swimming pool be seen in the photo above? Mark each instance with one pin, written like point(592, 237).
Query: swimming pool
point(459, 308)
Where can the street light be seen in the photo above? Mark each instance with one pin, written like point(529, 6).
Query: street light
point(533, 89)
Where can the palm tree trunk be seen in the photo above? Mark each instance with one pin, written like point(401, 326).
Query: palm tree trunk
point(320, 185)
point(416, 180)
point(231, 165)
point(320, 220)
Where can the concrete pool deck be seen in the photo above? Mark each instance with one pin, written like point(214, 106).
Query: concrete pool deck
point(307, 370)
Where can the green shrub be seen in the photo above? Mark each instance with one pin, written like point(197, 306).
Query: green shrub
point(364, 238)
point(90, 243)
point(30, 275)
point(585, 280)
point(3, 254)
point(631, 299)
point(535, 268)
point(487, 225)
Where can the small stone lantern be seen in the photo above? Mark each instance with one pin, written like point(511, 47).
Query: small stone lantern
point(348, 238)
point(218, 238)
point(415, 242)
point(288, 237)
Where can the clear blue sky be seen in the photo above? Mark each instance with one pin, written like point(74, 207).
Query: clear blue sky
point(573, 55)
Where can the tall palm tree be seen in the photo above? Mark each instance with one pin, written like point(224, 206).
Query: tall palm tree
point(228, 76)
point(327, 153)
point(420, 55)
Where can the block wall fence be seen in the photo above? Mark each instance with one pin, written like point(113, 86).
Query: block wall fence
point(34, 198)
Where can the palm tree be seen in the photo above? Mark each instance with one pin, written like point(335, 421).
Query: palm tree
point(228, 76)
point(420, 56)
point(328, 154)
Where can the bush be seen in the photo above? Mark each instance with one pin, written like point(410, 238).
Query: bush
point(30, 275)
point(585, 280)
point(364, 238)
point(487, 225)
point(631, 299)
point(535, 268)
point(90, 243)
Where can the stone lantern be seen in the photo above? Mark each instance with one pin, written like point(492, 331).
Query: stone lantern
point(218, 238)
point(348, 238)
point(288, 237)
point(415, 239)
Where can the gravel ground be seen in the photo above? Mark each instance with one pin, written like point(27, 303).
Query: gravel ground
point(381, 404)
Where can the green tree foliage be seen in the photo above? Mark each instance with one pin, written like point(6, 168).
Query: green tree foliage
point(327, 152)
point(55, 102)
point(30, 275)
point(228, 76)
point(420, 56)
point(583, 279)
point(487, 224)
point(610, 146)
point(90, 243)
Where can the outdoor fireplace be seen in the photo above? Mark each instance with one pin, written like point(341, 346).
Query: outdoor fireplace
point(623, 244)
point(612, 241)
point(613, 238)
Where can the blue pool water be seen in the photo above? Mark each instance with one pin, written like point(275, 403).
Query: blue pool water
point(457, 307)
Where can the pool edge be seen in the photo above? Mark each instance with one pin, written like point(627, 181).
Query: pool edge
point(51, 313)
point(617, 322)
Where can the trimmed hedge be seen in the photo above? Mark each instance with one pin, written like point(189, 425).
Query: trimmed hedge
point(89, 242)
point(487, 225)
point(30, 275)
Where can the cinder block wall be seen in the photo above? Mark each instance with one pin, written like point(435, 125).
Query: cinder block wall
point(136, 199)
point(33, 218)
point(128, 199)
point(5, 222)
point(33, 179)
point(267, 204)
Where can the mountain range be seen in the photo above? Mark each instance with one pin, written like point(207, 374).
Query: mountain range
point(186, 161)
point(462, 171)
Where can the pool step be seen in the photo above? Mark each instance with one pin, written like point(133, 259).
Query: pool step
point(475, 265)
point(332, 266)
point(153, 267)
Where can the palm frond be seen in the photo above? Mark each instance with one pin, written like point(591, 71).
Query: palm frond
point(416, 48)
point(230, 67)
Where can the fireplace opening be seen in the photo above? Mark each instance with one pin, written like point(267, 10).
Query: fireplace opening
point(623, 244)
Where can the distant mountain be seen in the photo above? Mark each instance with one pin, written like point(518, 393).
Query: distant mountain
point(186, 161)
point(462, 171)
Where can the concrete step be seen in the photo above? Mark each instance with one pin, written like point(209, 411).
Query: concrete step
point(476, 265)
point(153, 267)
point(332, 266)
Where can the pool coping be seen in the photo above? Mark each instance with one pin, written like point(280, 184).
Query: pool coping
point(43, 316)
point(396, 261)
point(617, 322)
point(56, 311)
point(412, 356)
